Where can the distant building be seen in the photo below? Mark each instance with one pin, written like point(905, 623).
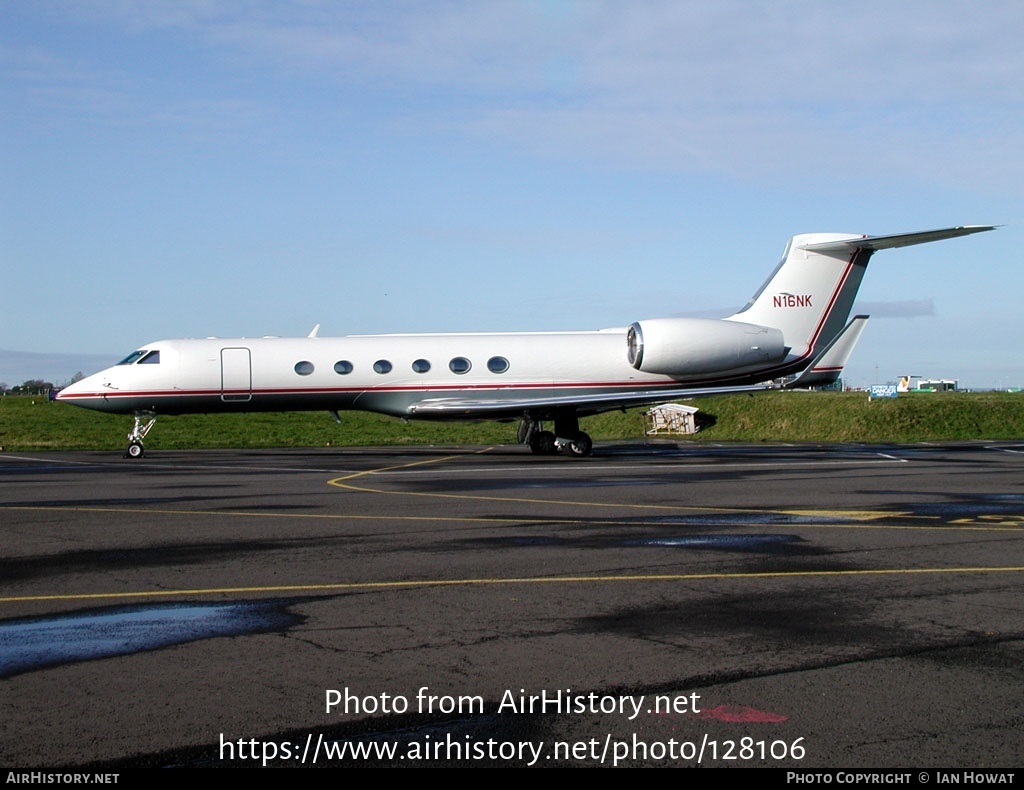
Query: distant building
point(919, 384)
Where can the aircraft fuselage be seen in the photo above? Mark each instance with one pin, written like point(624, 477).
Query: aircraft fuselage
point(390, 374)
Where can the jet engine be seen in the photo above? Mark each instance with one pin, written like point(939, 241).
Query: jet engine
point(692, 346)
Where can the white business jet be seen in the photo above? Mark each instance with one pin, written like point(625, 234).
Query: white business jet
point(795, 324)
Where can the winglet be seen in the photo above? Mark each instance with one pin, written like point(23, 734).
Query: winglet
point(316, 330)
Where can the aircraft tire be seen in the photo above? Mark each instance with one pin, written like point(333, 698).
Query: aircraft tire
point(543, 443)
point(135, 450)
point(580, 447)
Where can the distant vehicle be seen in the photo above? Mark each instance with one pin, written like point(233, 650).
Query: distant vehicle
point(795, 323)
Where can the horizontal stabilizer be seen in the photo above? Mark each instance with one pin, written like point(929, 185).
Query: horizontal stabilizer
point(848, 246)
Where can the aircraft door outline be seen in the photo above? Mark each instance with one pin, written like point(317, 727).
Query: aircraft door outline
point(235, 375)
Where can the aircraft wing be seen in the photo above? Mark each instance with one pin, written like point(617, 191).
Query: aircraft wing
point(490, 408)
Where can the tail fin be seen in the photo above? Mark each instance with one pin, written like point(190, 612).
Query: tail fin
point(810, 294)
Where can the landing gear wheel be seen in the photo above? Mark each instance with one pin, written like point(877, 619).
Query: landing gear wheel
point(138, 433)
point(543, 443)
point(580, 447)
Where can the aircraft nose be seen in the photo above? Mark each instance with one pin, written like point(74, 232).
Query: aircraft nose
point(66, 392)
point(71, 391)
point(88, 392)
point(83, 385)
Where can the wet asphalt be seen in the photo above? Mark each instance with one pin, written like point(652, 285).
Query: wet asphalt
point(845, 607)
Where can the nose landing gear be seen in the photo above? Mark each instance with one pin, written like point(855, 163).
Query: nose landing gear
point(135, 448)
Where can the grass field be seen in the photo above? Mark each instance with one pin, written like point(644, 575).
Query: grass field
point(28, 423)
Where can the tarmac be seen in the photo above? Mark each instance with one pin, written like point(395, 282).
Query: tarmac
point(835, 607)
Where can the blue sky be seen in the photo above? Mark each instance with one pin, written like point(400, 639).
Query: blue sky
point(181, 169)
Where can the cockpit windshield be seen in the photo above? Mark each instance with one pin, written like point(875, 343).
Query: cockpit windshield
point(132, 358)
point(143, 357)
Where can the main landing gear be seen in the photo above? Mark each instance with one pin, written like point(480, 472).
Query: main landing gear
point(567, 438)
point(135, 448)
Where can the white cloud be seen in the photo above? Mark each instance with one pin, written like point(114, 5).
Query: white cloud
point(861, 91)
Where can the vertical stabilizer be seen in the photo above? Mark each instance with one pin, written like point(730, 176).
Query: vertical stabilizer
point(810, 294)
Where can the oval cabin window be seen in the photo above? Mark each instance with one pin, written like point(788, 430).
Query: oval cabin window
point(460, 365)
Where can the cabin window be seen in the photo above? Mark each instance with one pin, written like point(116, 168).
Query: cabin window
point(460, 365)
point(132, 358)
point(343, 367)
point(421, 366)
point(304, 368)
point(152, 358)
point(382, 366)
point(497, 364)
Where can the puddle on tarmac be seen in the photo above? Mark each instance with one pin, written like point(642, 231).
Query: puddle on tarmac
point(31, 644)
point(718, 541)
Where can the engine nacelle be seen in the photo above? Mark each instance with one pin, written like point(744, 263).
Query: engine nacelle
point(692, 346)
